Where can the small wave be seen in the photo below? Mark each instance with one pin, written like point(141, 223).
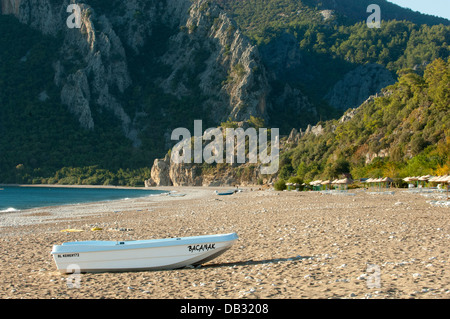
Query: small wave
point(10, 209)
point(159, 194)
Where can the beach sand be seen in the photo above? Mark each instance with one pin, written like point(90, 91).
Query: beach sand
point(291, 245)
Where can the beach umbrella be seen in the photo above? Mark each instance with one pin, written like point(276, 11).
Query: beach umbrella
point(432, 179)
point(335, 183)
point(424, 179)
point(376, 181)
point(318, 184)
point(345, 181)
point(387, 180)
point(325, 183)
point(313, 184)
point(411, 179)
point(442, 179)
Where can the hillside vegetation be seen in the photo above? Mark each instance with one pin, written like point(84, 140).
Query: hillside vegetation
point(305, 48)
point(403, 132)
point(330, 39)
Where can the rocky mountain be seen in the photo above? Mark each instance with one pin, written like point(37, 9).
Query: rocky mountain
point(357, 85)
point(204, 55)
point(106, 96)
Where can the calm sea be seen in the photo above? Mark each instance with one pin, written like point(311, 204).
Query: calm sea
point(20, 198)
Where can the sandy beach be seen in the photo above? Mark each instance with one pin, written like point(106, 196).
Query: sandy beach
point(292, 245)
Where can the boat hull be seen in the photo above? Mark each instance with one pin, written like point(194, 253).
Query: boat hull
point(158, 254)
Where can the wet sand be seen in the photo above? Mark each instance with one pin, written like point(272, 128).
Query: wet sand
point(292, 245)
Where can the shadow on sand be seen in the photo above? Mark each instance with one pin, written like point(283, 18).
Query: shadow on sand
point(255, 262)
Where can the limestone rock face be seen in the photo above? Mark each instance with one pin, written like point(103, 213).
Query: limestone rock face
point(230, 172)
point(358, 85)
point(230, 75)
point(10, 6)
point(76, 95)
point(185, 175)
point(207, 56)
point(160, 172)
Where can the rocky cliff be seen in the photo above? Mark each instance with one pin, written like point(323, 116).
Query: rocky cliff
point(205, 55)
point(168, 172)
point(357, 85)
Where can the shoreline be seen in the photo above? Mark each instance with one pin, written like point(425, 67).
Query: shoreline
point(72, 186)
point(15, 209)
point(58, 212)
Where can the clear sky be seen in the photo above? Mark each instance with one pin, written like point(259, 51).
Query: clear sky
point(440, 8)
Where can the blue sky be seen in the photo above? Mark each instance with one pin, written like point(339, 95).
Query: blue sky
point(440, 8)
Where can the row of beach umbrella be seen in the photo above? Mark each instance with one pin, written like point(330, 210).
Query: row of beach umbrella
point(345, 181)
point(329, 182)
point(321, 182)
point(428, 178)
point(379, 180)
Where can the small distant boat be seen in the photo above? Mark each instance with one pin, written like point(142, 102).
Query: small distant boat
point(139, 255)
point(225, 193)
point(177, 195)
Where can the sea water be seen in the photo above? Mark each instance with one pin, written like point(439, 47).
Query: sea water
point(16, 198)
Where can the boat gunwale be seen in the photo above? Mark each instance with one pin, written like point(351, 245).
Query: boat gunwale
point(106, 246)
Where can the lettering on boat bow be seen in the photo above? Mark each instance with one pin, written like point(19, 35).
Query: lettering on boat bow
point(69, 255)
point(198, 248)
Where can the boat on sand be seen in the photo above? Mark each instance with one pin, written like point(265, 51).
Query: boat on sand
point(225, 193)
point(139, 255)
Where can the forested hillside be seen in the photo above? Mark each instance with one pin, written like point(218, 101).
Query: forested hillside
point(39, 136)
point(330, 39)
point(97, 105)
point(403, 132)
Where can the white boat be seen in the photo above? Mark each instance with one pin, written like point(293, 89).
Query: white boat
point(225, 193)
point(138, 255)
